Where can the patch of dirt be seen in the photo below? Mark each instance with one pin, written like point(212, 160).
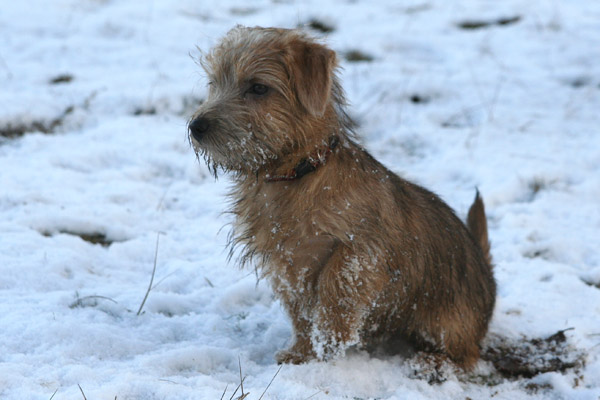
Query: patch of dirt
point(534, 388)
point(467, 118)
point(62, 78)
point(14, 130)
point(419, 99)
point(417, 8)
point(151, 110)
point(544, 254)
point(357, 56)
point(531, 357)
point(243, 11)
point(536, 185)
point(93, 238)
point(481, 24)
point(590, 282)
point(320, 26)
point(579, 82)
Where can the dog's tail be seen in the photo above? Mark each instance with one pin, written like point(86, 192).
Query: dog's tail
point(477, 224)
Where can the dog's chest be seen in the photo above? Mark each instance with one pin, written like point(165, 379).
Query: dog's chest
point(273, 210)
point(278, 223)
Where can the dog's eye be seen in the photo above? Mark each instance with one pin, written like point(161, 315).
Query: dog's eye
point(258, 89)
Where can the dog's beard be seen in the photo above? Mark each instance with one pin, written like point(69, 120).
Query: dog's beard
point(239, 153)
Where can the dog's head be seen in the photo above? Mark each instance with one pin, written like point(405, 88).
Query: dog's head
point(271, 92)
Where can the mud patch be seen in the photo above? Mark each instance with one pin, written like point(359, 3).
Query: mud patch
point(544, 254)
point(93, 237)
point(243, 11)
point(482, 24)
point(419, 98)
point(18, 129)
point(578, 82)
point(60, 79)
point(150, 110)
point(536, 186)
point(357, 56)
point(591, 282)
point(531, 357)
point(320, 26)
point(512, 359)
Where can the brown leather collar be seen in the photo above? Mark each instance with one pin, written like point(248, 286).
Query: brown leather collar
point(308, 164)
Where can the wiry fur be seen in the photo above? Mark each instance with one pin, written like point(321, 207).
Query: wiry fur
point(356, 254)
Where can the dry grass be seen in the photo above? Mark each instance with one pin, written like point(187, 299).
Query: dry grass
point(240, 386)
point(89, 301)
point(151, 277)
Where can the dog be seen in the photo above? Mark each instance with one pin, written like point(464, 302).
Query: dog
point(356, 254)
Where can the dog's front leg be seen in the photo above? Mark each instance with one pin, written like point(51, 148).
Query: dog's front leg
point(348, 287)
point(301, 349)
point(296, 285)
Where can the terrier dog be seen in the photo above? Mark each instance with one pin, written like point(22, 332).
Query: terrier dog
point(356, 254)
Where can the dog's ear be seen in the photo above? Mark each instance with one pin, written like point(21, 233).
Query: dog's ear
point(312, 74)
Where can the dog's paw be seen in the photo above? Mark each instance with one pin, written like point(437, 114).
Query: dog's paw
point(291, 356)
point(433, 368)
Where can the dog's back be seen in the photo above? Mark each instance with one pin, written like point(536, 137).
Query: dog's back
point(440, 281)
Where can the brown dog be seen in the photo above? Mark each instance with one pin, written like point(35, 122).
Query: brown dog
point(355, 253)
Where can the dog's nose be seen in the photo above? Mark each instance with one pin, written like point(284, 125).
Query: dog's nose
point(199, 127)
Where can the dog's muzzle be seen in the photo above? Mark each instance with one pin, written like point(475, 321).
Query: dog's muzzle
point(198, 127)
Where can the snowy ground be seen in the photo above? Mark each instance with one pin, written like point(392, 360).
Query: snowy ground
point(94, 98)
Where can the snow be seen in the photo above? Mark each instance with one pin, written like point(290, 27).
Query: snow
point(513, 110)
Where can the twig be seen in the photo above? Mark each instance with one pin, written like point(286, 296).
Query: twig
point(51, 397)
point(81, 390)
point(163, 278)
point(494, 100)
point(79, 302)
point(310, 397)
point(272, 379)
point(9, 73)
point(236, 389)
point(241, 379)
point(224, 391)
point(152, 277)
point(166, 380)
point(162, 198)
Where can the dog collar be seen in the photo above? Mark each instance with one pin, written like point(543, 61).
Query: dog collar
point(308, 164)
